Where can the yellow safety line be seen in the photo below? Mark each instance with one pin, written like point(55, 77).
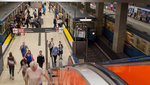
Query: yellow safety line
point(8, 39)
point(68, 35)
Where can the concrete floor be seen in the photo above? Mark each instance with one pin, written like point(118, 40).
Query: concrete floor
point(31, 40)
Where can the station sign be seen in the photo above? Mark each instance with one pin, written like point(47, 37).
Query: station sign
point(20, 30)
point(15, 30)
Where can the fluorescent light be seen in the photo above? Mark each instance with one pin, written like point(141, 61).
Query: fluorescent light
point(85, 19)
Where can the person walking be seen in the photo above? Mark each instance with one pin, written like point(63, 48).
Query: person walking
point(54, 22)
point(23, 49)
point(51, 45)
point(44, 10)
point(35, 14)
point(40, 59)
point(60, 48)
point(11, 63)
point(56, 12)
point(34, 75)
point(28, 57)
point(24, 67)
point(55, 53)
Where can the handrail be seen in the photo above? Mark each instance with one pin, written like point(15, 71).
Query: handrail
point(98, 68)
point(125, 60)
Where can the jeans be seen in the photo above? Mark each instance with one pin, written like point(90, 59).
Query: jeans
point(50, 52)
point(55, 57)
point(11, 70)
point(54, 25)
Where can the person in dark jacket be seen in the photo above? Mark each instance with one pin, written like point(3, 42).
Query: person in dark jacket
point(55, 22)
point(11, 63)
point(40, 59)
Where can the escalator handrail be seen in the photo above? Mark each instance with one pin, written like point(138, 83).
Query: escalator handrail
point(106, 71)
point(125, 60)
point(110, 74)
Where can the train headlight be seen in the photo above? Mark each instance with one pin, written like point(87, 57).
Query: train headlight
point(93, 33)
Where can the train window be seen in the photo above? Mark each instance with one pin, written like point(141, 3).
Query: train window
point(141, 44)
point(0, 28)
point(112, 26)
point(149, 49)
point(107, 24)
point(130, 38)
point(3, 27)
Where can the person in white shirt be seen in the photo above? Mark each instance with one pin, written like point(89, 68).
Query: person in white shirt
point(51, 45)
point(34, 75)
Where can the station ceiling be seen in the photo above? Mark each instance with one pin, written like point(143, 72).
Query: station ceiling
point(126, 1)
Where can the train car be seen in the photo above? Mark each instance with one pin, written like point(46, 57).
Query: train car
point(138, 36)
point(78, 22)
point(139, 13)
point(11, 9)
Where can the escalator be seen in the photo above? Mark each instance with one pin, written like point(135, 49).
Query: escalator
point(119, 73)
point(85, 74)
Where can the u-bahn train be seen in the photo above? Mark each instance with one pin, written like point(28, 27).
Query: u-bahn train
point(78, 22)
point(138, 36)
point(139, 13)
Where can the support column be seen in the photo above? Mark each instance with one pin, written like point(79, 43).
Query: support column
point(99, 16)
point(87, 7)
point(120, 27)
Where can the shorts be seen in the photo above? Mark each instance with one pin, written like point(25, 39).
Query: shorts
point(61, 52)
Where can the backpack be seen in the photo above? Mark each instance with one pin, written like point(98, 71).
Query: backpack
point(11, 61)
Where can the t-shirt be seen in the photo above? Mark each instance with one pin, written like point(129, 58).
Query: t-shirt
point(35, 76)
point(23, 48)
point(60, 47)
point(40, 59)
point(44, 9)
point(51, 44)
point(11, 61)
point(55, 51)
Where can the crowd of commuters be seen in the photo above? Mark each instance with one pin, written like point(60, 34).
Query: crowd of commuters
point(55, 50)
point(33, 70)
point(25, 19)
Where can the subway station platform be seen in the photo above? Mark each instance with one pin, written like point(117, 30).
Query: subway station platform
point(94, 50)
point(35, 43)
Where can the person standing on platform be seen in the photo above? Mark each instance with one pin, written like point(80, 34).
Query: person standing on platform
point(34, 13)
point(56, 12)
point(60, 48)
point(51, 45)
point(44, 10)
point(55, 53)
point(49, 7)
point(23, 49)
point(28, 57)
point(24, 67)
point(40, 59)
point(11, 63)
point(34, 75)
point(55, 22)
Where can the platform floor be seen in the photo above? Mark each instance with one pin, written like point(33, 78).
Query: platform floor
point(32, 40)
